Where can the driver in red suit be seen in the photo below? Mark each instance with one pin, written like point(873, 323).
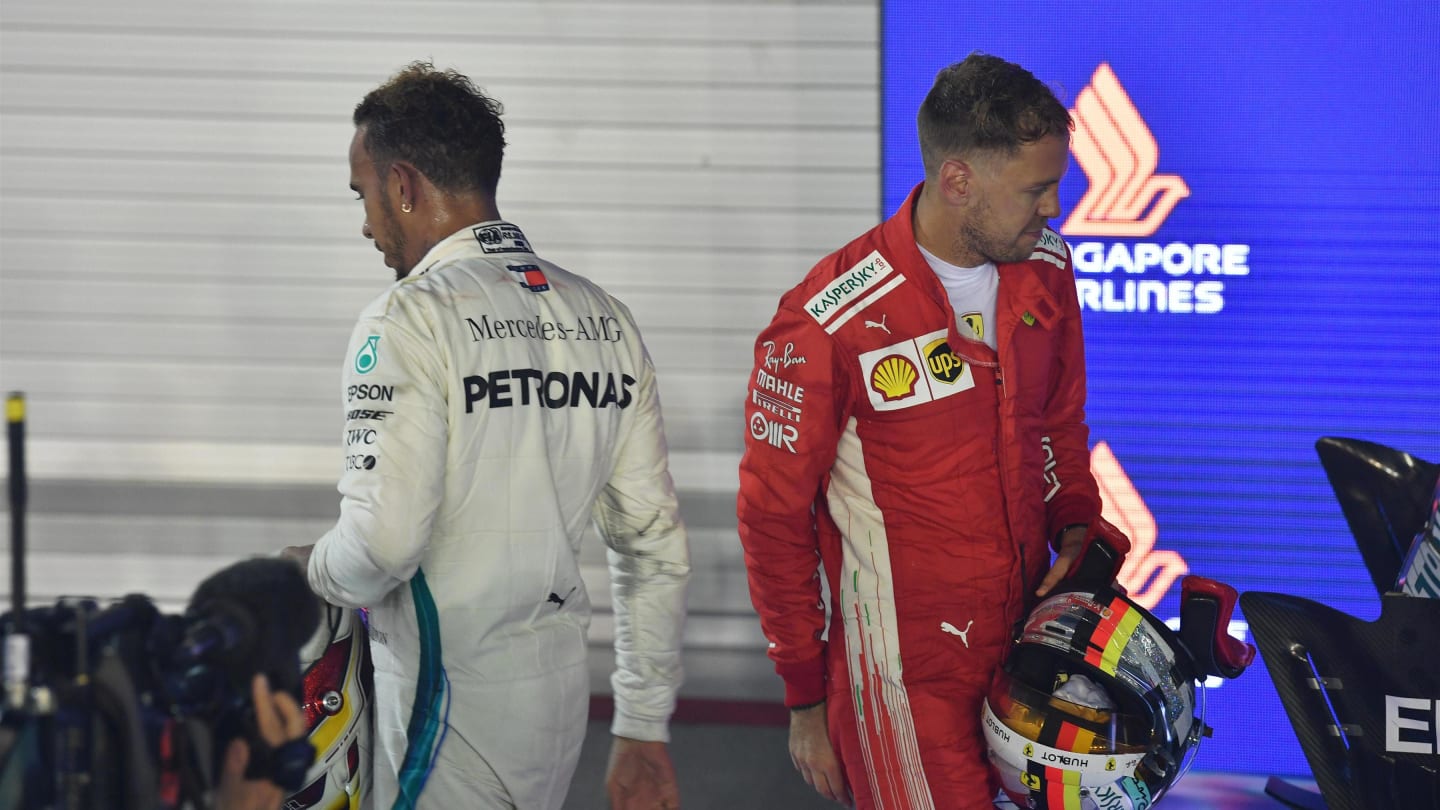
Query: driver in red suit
point(915, 431)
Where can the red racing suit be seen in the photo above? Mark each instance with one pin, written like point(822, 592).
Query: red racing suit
point(929, 474)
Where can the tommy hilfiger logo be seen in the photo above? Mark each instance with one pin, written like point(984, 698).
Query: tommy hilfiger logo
point(1115, 149)
point(530, 277)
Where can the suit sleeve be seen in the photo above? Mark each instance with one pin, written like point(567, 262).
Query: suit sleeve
point(794, 412)
point(639, 517)
point(394, 443)
point(1072, 496)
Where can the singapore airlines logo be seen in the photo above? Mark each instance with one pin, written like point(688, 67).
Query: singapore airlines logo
point(1126, 201)
point(1118, 154)
point(1148, 572)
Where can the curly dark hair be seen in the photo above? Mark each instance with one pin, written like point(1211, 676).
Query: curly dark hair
point(985, 103)
point(439, 122)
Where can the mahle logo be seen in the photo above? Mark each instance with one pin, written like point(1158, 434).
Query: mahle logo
point(1128, 198)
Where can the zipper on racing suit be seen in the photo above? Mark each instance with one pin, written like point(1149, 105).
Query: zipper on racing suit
point(995, 446)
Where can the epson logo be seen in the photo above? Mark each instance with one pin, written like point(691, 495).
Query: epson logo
point(555, 389)
point(1420, 728)
point(380, 393)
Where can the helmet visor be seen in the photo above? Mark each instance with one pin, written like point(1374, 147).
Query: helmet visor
point(1061, 724)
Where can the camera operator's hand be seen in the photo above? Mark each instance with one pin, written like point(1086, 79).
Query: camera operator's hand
point(279, 720)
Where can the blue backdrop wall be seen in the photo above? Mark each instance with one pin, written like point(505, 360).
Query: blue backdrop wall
point(1253, 204)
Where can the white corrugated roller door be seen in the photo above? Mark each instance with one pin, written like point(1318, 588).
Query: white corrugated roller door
point(181, 262)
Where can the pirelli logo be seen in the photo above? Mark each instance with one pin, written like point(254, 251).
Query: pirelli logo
point(1115, 149)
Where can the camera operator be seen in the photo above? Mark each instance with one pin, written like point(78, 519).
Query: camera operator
point(279, 720)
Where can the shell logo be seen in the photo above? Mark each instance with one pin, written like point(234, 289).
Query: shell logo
point(1148, 572)
point(894, 377)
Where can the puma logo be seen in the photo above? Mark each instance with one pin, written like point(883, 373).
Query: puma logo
point(880, 325)
point(963, 634)
point(560, 600)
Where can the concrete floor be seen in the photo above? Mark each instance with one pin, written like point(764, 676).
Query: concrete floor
point(724, 767)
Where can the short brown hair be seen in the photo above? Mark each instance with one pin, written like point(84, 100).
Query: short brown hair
point(439, 122)
point(985, 103)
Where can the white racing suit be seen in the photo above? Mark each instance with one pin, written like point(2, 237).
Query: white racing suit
point(495, 404)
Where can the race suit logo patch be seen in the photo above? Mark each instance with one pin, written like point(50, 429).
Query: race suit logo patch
point(531, 277)
point(501, 238)
point(944, 364)
point(892, 387)
point(855, 289)
point(775, 405)
point(976, 322)
point(1051, 248)
point(358, 463)
point(787, 359)
point(779, 387)
point(894, 377)
point(368, 356)
point(379, 393)
point(547, 389)
point(775, 434)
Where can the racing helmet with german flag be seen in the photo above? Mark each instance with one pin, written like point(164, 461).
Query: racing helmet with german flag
point(1097, 705)
point(337, 687)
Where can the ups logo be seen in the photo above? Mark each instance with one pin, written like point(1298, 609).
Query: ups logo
point(944, 364)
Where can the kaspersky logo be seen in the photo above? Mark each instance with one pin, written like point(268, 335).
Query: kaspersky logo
point(1128, 198)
